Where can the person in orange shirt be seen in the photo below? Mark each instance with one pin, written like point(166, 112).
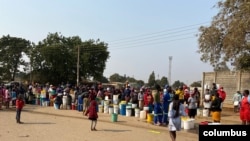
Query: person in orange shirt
point(19, 107)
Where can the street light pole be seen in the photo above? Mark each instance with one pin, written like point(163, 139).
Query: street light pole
point(169, 72)
point(78, 58)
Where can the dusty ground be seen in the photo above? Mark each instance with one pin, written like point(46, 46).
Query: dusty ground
point(48, 124)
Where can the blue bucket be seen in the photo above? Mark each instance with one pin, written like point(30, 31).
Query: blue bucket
point(123, 109)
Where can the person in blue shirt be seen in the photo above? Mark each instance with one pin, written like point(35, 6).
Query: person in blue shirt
point(166, 101)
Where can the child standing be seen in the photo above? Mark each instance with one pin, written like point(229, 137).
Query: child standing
point(19, 107)
point(92, 114)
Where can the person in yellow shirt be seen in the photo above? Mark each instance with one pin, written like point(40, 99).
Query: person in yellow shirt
point(180, 92)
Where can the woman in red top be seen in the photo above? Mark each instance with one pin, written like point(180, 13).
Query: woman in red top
point(92, 113)
point(19, 107)
point(245, 109)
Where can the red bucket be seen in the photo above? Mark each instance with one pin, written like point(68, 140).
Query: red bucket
point(73, 107)
point(204, 122)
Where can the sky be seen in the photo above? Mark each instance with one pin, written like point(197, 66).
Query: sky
point(141, 34)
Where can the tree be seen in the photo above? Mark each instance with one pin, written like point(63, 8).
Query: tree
point(177, 84)
point(224, 40)
point(151, 80)
point(54, 59)
point(103, 80)
point(12, 50)
point(164, 81)
point(140, 82)
point(221, 67)
point(117, 78)
point(196, 84)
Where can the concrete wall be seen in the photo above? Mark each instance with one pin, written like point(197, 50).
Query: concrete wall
point(230, 81)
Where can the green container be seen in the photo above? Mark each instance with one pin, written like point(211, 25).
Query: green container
point(114, 117)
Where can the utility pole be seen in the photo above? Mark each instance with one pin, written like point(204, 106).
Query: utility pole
point(169, 71)
point(77, 66)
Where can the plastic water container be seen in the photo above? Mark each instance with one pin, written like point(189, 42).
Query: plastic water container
point(137, 112)
point(114, 117)
point(186, 125)
point(115, 99)
point(199, 112)
point(73, 106)
point(100, 108)
point(142, 114)
point(128, 111)
point(106, 109)
point(207, 104)
point(134, 105)
point(111, 110)
point(150, 118)
point(123, 109)
point(106, 98)
point(145, 108)
point(116, 109)
point(205, 112)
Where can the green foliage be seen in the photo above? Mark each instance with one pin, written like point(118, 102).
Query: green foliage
point(12, 50)
point(196, 84)
point(177, 84)
point(224, 40)
point(117, 78)
point(163, 81)
point(151, 79)
point(55, 59)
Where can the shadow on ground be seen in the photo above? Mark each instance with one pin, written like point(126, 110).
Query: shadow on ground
point(39, 123)
point(112, 130)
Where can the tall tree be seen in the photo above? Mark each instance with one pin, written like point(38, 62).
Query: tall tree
point(164, 81)
point(151, 79)
point(224, 40)
point(117, 78)
point(196, 84)
point(12, 51)
point(178, 84)
point(55, 59)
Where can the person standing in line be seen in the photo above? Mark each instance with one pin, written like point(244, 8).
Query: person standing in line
point(157, 105)
point(166, 101)
point(140, 99)
point(92, 114)
point(197, 96)
point(176, 110)
point(245, 108)
point(222, 95)
point(236, 101)
point(19, 107)
point(207, 100)
point(192, 108)
point(216, 108)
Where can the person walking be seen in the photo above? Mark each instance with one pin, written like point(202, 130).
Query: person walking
point(245, 108)
point(176, 110)
point(19, 107)
point(91, 112)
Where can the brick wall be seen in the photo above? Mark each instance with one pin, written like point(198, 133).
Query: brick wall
point(231, 82)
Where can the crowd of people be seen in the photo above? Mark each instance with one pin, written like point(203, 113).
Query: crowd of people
point(167, 104)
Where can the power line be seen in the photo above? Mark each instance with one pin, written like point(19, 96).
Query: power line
point(148, 34)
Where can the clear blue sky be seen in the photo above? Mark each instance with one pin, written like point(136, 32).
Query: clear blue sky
point(141, 34)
